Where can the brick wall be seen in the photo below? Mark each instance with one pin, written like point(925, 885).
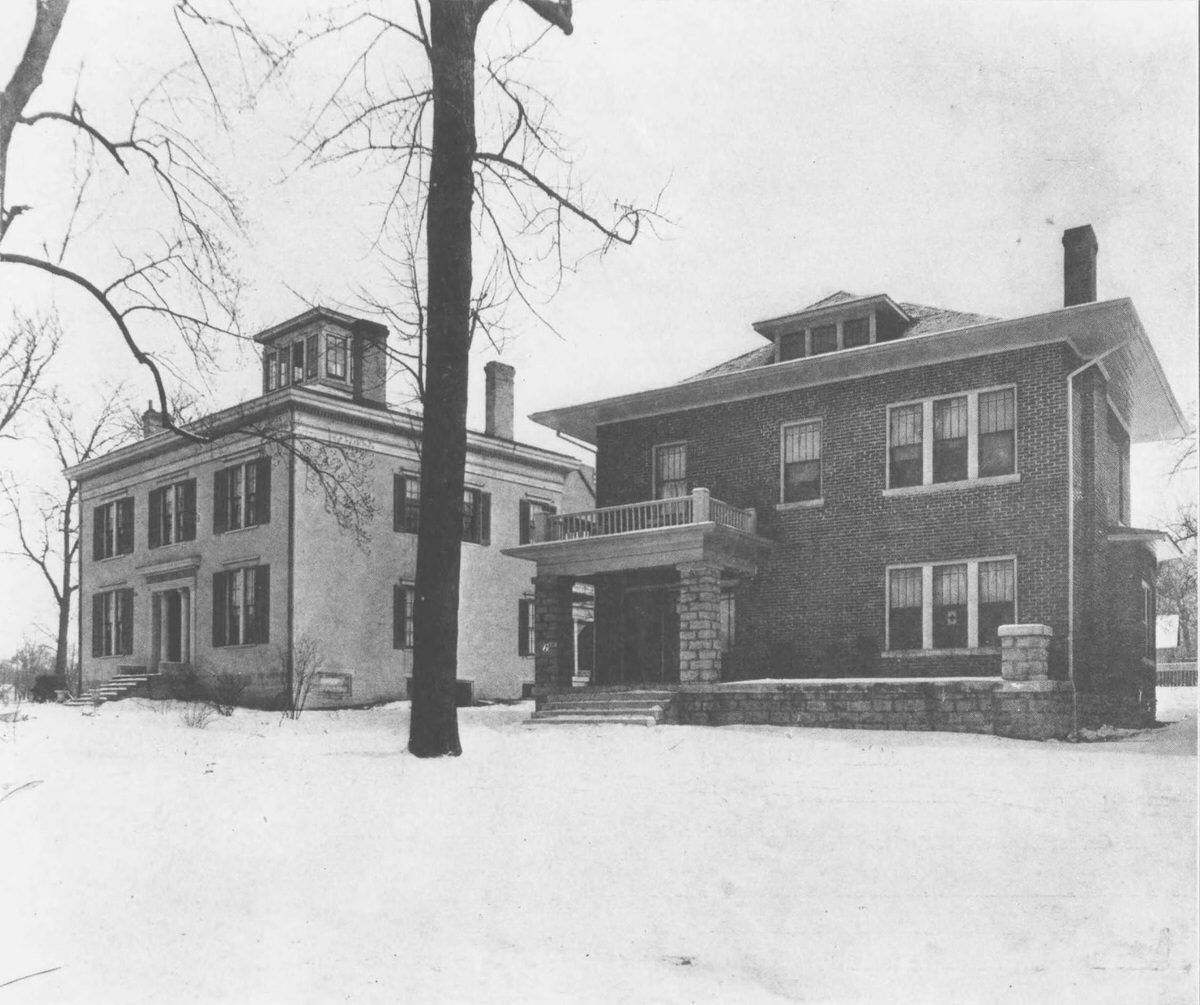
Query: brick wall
point(819, 599)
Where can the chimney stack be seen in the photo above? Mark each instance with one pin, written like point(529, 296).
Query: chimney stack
point(499, 401)
point(1079, 265)
point(152, 421)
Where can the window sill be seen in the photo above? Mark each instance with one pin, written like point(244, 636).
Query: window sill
point(236, 530)
point(893, 654)
point(242, 645)
point(784, 507)
point(109, 558)
point(966, 483)
point(114, 656)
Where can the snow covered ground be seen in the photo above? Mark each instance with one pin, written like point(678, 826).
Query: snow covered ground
point(315, 861)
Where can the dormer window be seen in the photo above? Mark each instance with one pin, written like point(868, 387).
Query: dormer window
point(824, 339)
point(856, 332)
point(335, 357)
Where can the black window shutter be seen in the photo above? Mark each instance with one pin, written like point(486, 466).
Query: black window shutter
point(523, 528)
point(264, 489)
point(97, 624)
point(398, 494)
point(221, 501)
point(262, 603)
point(485, 518)
point(522, 627)
point(124, 526)
point(154, 529)
point(125, 606)
point(220, 589)
point(187, 519)
point(97, 533)
point(398, 617)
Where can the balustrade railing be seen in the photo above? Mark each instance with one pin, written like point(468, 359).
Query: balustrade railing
point(654, 514)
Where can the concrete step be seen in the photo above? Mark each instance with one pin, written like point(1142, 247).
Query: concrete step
point(587, 697)
point(595, 710)
point(567, 719)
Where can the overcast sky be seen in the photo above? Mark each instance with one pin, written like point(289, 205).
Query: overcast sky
point(934, 152)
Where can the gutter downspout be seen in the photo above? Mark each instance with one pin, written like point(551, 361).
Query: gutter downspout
point(1071, 529)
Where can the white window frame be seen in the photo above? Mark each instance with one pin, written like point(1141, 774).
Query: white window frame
point(654, 465)
point(783, 503)
point(973, 477)
point(927, 568)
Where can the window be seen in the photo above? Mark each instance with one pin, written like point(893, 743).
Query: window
point(406, 504)
point(112, 623)
point(950, 440)
point(242, 606)
point(791, 346)
point(270, 376)
point(856, 332)
point(727, 626)
point(824, 339)
point(905, 435)
point(242, 496)
point(404, 599)
point(311, 357)
point(530, 510)
point(335, 357)
point(670, 471)
point(801, 445)
point(952, 605)
point(526, 633)
point(477, 517)
point(172, 514)
point(1120, 445)
point(112, 529)
point(974, 436)
point(298, 361)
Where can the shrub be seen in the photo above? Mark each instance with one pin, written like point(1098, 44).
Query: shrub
point(45, 686)
point(225, 691)
point(196, 714)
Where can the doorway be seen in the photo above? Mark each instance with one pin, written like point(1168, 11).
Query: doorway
point(650, 629)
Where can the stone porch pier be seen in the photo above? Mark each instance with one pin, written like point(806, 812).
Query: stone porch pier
point(699, 623)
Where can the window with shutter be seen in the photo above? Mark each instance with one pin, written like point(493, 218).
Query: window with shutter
point(406, 504)
point(403, 599)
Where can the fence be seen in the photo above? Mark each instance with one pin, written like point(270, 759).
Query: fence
point(1177, 674)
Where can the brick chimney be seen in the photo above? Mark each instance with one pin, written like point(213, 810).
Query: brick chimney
point(498, 420)
point(1079, 265)
point(152, 421)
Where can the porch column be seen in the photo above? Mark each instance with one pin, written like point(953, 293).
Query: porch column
point(699, 623)
point(554, 631)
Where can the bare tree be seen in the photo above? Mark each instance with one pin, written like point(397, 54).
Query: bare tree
point(47, 521)
point(180, 276)
point(24, 356)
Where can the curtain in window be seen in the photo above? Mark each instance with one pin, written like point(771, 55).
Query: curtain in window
point(670, 471)
point(997, 599)
point(950, 440)
point(997, 432)
point(802, 462)
point(949, 606)
point(904, 609)
point(905, 435)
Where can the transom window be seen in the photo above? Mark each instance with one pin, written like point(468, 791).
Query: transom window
point(112, 529)
point(242, 606)
point(172, 513)
point(952, 605)
point(670, 471)
point(801, 461)
point(112, 623)
point(242, 496)
point(973, 436)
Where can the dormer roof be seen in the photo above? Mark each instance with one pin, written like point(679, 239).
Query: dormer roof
point(359, 326)
point(836, 305)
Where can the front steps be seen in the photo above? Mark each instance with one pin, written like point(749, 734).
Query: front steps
point(621, 708)
point(121, 685)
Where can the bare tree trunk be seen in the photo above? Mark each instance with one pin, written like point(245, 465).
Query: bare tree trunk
point(434, 726)
point(63, 640)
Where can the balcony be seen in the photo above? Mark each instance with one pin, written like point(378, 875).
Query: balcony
point(641, 535)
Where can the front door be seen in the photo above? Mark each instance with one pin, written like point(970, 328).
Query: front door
point(651, 634)
point(173, 627)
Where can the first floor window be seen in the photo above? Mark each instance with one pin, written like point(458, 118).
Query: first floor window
point(242, 495)
point(112, 623)
point(727, 626)
point(801, 461)
point(952, 605)
point(335, 357)
point(529, 511)
point(173, 513)
point(112, 529)
point(526, 639)
point(242, 606)
point(403, 600)
point(477, 516)
point(670, 471)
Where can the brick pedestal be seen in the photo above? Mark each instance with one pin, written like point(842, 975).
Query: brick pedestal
point(554, 632)
point(699, 623)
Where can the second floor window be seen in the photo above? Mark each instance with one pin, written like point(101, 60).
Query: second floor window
point(242, 606)
point(172, 514)
point(529, 511)
point(406, 504)
point(242, 496)
point(905, 429)
point(950, 440)
point(670, 471)
point(112, 623)
point(477, 516)
point(112, 529)
point(801, 461)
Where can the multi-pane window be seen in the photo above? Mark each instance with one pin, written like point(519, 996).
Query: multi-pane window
point(112, 529)
point(406, 504)
point(311, 356)
point(477, 516)
point(824, 339)
point(112, 623)
point(403, 601)
point(997, 432)
point(173, 513)
point(242, 495)
point(856, 332)
point(801, 446)
point(670, 471)
point(242, 606)
point(529, 511)
point(1119, 439)
point(526, 637)
point(292, 364)
point(905, 462)
point(974, 435)
point(952, 605)
point(298, 361)
point(950, 439)
point(904, 608)
point(335, 357)
point(791, 346)
point(997, 599)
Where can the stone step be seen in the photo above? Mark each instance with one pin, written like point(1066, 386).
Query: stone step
point(595, 710)
point(586, 697)
point(568, 719)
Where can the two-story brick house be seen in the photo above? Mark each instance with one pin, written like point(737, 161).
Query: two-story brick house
point(872, 495)
point(296, 519)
